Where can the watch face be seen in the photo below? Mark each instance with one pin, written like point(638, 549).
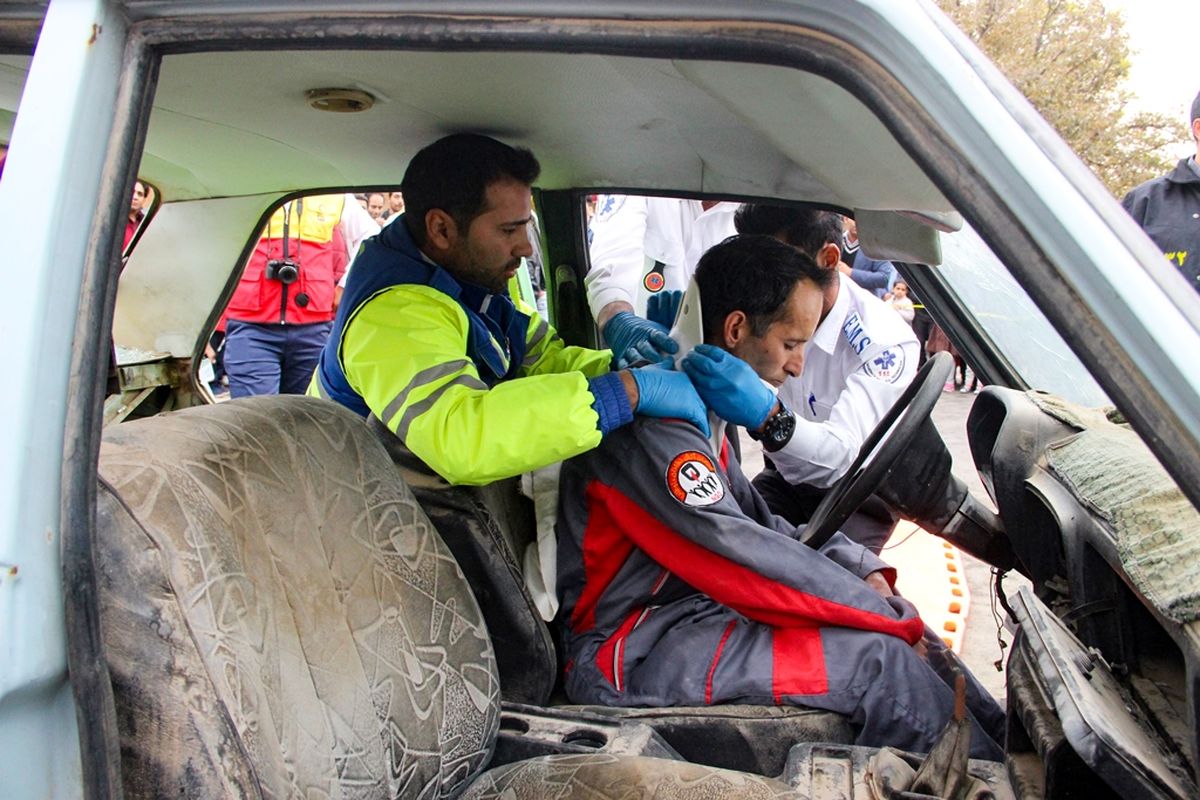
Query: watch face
point(779, 430)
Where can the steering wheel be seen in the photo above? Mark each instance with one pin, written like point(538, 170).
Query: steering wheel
point(879, 452)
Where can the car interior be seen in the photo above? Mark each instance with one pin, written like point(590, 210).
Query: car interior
point(283, 606)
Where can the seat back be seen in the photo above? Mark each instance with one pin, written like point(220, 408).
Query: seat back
point(279, 616)
point(487, 528)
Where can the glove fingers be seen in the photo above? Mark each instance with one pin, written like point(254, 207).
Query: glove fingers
point(629, 357)
point(698, 366)
point(663, 342)
point(646, 352)
point(654, 310)
point(711, 351)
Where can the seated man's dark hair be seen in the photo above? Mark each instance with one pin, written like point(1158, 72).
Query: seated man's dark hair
point(755, 275)
point(810, 229)
point(453, 174)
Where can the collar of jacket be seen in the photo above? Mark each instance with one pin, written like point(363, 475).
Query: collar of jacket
point(496, 340)
point(1184, 172)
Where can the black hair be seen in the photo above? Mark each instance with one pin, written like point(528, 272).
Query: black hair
point(809, 229)
point(453, 174)
point(1195, 108)
point(754, 274)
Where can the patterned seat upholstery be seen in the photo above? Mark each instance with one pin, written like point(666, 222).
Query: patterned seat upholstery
point(620, 777)
point(281, 620)
point(279, 614)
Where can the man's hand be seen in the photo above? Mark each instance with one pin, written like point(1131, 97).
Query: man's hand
point(729, 386)
point(634, 339)
point(662, 308)
point(879, 583)
point(663, 392)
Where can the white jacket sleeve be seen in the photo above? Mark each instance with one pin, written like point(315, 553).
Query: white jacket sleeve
point(617, 251)
point(356, 225)
point(819, 453)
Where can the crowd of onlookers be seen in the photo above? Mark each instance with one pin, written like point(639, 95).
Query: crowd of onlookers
point(382, 206)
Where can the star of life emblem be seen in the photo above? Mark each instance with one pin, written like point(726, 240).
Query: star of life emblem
point(886, 365)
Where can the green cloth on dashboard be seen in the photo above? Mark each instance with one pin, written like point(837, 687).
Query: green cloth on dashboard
point(1108, 467)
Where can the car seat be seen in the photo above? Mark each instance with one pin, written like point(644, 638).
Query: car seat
point(279, 618)
point(486, 527)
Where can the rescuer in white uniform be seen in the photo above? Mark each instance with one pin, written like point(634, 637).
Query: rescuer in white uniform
point(641, 247)
point(856, 365)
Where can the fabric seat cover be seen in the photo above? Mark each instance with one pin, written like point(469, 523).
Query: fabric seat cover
point(280, 618)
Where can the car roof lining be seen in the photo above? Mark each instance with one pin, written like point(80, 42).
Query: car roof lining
point(839, 154)
point(835, 151)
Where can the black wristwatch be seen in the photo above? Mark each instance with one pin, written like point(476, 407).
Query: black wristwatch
point(777, 430)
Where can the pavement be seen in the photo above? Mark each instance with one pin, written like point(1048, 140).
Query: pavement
point(980, 649)
point(951, 589)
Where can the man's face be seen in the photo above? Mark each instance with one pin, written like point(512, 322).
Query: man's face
point(396, 202)
point(779, 353)
point(850, 228)
point(495, 242)
point(375, 205)
point(139, 197)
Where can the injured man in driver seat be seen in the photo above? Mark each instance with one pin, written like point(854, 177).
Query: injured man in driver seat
point(679, 587)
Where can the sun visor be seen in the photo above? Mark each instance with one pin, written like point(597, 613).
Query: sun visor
point(907, 236)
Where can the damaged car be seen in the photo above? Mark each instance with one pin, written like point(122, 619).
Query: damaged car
point(251, 598)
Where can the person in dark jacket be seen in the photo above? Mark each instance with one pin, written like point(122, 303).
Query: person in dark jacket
point(1168, 209)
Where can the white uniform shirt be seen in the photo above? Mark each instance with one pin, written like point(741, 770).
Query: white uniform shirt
point(357, 226)
point(630, 234)
point(857, 364)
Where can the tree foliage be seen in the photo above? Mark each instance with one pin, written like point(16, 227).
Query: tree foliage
point(1071, 59)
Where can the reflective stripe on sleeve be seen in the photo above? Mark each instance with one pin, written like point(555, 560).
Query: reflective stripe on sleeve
point(419, 408)
point(538, 335)
point(426, 377)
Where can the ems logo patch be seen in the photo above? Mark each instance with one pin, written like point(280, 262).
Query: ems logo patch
point(608, 204)
point(693, 480)
point(654, 281)
point(886, 365)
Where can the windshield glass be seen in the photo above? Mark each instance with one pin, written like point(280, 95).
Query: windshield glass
point(1003, 309)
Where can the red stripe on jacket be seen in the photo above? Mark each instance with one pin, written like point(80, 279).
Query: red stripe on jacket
point(610, 658)
point(605, 548)
point(729, 583)
point(712, 668)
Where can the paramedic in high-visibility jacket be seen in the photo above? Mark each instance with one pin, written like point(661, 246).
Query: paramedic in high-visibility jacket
point(679, 587)
point(428, 341)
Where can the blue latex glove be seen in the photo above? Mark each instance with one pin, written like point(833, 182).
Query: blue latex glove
point(633, 339)
point(729, 386)
point(662, 308)
point(664, 392)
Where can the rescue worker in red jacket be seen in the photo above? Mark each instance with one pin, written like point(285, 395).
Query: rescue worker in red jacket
point(282, 310)
point(679, 587)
